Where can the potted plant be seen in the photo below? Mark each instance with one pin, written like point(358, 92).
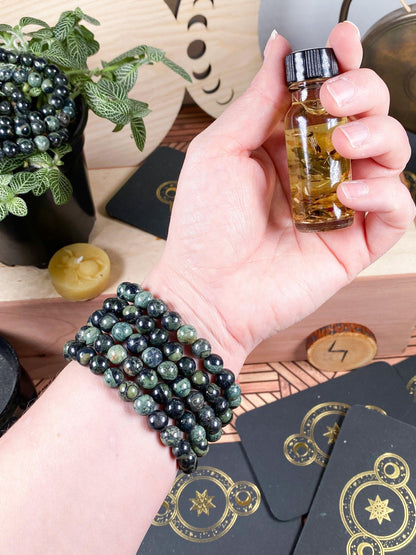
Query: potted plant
point(46, 90)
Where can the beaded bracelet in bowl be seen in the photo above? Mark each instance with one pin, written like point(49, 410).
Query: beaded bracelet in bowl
point(160, 365)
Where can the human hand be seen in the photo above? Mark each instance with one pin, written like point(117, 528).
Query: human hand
point(234, 262)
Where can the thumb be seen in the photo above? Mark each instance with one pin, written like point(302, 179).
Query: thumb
point(249, 120)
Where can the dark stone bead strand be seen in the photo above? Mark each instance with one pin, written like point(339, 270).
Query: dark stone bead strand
point(129, 342)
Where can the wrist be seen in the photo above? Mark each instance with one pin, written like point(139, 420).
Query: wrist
point(196, 309)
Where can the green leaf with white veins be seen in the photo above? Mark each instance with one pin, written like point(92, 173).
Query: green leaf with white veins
point(32, 21)
point(77, 49)
point(177, 69)
point(22, 182)
point(5, 179)
point(111, 90)
point(7, 165)
point(60, 186)
point(90, 43)
point(42, 182)
point(116, 112)
point(138, 109)
point(57, 54)
point(106, 106)
point(40, 160)
point(126, 75)
point(17, 206)
point(139, 132)
point(79, 13)
point(65, 24)
point(5, 193)
point(60, 151)
point(3, 211)
point(41, 34)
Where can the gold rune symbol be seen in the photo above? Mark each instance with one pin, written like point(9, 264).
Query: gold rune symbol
point(378, 509)
point(332, 433)
point(202, 503)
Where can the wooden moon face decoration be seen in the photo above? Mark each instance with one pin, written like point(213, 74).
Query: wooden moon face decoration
point(214, 40)
point(222, 49)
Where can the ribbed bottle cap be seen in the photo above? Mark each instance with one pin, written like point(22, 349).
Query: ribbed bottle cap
point(310, 64)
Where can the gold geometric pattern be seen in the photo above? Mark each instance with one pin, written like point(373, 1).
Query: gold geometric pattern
point(332, 433)
point(202, 503)
point(390, 475)
point(379, 509)
point(241, 499)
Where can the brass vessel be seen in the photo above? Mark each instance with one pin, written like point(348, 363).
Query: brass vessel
point(389, 48)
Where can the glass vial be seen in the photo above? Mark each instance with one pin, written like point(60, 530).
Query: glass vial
point(315, 167)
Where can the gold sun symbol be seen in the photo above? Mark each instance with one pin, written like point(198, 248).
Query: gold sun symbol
point(379, 510)
point(332, 433)
point(202, 503)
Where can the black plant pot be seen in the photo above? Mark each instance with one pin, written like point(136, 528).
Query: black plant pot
point(33, 239)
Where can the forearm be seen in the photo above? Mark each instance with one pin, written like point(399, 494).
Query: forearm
point(81, 471)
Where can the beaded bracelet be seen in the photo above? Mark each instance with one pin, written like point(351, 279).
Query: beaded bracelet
point(145, 351)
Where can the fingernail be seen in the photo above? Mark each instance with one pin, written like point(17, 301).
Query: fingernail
point(341, 90)
point(354, 189)
point(356, 132)
point(273, 35)
point(355, 26)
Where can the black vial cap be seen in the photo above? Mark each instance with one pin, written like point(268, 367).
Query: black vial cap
point(313, 63)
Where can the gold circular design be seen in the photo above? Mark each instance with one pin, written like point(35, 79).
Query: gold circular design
point(319, 412)
point(360, 542)
point(395, 471)
point(401, 472)
point(392, 472)
point(243, 502)
point(305, 440)
point(166, 512)
point(166, 192)
point(411, 387)
point(292, 446)
point(247, 505)
point(241, 499)
point(377, 409)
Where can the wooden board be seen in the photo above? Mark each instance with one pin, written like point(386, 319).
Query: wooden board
point(232, 52)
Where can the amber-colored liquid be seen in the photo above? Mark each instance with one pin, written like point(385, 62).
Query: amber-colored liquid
point(315, 171)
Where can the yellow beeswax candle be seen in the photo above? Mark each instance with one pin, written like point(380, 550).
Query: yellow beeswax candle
point(79, 271)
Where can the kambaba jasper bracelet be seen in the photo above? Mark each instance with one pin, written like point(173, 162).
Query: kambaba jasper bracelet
point(129, 341)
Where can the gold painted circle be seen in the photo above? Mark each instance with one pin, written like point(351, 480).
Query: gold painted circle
point(405, 523)
point(166, 512)
point(313, 417)
point(244, 498)
point(359, 542)
point(397, 474)
point(166, 192)
point(407, 531)
point(294, 444)
point(200, 534)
